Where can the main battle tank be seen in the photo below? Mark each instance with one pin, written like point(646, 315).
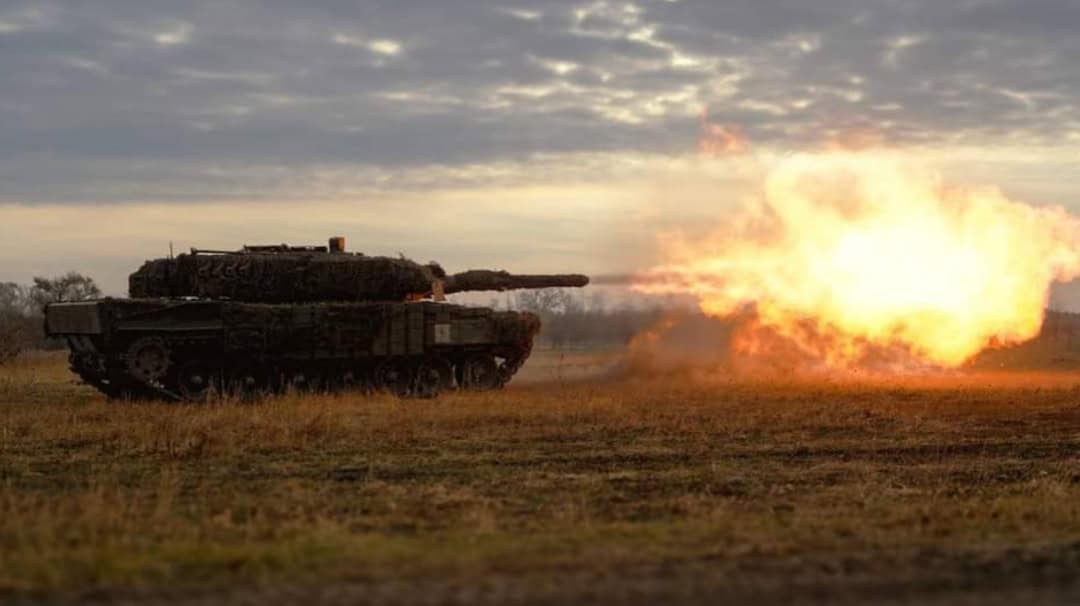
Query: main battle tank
point(272, 318)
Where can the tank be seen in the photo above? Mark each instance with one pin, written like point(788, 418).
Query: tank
point(266, 319)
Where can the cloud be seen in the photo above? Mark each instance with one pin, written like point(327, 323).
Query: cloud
point(376, 45)
point(109, 101)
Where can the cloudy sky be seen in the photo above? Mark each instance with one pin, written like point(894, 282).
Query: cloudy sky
point(527, 135)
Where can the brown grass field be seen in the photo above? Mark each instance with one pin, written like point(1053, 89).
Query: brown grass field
point(560, 489)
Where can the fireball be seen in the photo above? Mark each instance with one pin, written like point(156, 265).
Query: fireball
point(847, 254)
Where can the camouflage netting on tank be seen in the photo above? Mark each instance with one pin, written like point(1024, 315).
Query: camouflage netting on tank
point(282, 278)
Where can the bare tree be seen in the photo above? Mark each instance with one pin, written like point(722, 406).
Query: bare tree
point(21, 308)
point(544, 301)
point(12, 339)
point(15, 321)
point(15, 297)
point(71, 286)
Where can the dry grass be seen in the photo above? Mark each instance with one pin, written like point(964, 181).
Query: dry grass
point(672, 490)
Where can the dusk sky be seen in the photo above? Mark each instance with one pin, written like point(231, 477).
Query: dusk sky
point(529, 136)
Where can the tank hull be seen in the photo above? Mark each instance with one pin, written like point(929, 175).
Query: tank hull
point(184, 349)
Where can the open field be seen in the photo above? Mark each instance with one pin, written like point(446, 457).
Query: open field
point(945, 490)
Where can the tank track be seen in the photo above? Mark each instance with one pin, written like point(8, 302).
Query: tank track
point(190, 377)
point(114, 385)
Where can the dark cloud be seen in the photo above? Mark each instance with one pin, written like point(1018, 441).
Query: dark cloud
point(111, 99)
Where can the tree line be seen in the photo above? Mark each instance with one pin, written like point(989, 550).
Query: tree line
point(570, 321)
point(22, 307)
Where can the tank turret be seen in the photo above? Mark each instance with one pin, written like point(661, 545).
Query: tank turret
point(289, 274)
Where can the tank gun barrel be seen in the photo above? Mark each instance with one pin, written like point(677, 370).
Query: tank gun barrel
point(483, 279)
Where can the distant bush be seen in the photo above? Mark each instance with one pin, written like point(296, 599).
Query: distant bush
point(21, 309)
point(17, 333)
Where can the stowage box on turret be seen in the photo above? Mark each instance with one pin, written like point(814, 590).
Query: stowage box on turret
point(270, 318)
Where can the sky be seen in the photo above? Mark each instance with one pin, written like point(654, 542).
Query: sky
point(530, 136)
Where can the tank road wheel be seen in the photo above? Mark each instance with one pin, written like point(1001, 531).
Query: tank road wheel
point(298, 381)
point(195, 381)
point(349, 380)
point(478, 373)
point(247, 383)
point(148, 360)
point(394, 377)
point(432, 376)
point(308, 380)
point(353, 380)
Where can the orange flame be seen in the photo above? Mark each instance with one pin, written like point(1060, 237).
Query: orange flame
point(848, 254)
